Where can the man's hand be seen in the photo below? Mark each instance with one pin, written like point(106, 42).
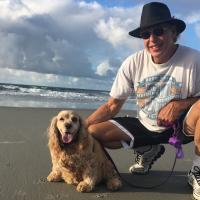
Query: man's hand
point(169, 113)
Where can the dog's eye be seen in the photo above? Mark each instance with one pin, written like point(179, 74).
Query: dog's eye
point(74, 119)
point(61, 119)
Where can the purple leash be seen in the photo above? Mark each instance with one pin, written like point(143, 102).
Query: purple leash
point(174, 140)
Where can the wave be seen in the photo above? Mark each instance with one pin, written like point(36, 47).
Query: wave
point(51, 92)
point(44, 96)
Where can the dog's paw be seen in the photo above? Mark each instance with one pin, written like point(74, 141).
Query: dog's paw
point(84, 187)
point(54, 177)
point(75, 181)
point(71, 181)
point(114, 184)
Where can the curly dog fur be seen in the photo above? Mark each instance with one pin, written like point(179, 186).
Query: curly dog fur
point(77, 158)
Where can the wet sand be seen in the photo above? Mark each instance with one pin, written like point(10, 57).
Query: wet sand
point(25, 163)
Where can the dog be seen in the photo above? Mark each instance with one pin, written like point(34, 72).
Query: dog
point(77, 157)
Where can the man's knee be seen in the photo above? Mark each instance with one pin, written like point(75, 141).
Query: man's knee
point(92, 129)
point(98, 131)
point(196, 105)
point(195, 111)
point(191, 119)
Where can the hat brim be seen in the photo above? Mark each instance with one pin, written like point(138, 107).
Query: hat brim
point(180, 25)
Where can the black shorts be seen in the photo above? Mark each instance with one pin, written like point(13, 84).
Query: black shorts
point(142, 136)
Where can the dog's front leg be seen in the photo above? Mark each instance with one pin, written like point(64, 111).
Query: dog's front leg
point(54, 176)
point(66, 173)
point(68, 177)
point(89, 180)
point(87, 185)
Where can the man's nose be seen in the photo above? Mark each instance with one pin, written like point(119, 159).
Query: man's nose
point(153, 37)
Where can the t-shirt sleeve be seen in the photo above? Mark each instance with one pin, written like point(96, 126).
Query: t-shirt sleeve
point(123, 84)
point(197, 80)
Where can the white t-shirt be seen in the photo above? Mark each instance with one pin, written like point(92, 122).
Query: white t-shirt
point(156, 84)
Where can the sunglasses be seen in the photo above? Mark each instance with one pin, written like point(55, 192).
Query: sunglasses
point(159, 31)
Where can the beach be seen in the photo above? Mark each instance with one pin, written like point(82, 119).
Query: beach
point(25, 163)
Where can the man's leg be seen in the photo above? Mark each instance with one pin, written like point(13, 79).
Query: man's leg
point(113, 136)
point(108, 134)
point(192, 127)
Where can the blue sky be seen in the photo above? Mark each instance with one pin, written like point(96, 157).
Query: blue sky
point(73, 43)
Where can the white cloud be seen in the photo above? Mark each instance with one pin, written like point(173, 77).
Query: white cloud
point(14, 9)
point(115, 32)
point(115, 27)
point(193, 17)
point(91, 6)
point(33, 78)
point(67, 38)
point(112, 30)
point(103, 68)
point(60, 37)
point(45, 6)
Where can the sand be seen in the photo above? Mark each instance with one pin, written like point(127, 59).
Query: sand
point(25, 163)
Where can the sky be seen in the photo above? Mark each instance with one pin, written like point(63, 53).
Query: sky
point(75, 43)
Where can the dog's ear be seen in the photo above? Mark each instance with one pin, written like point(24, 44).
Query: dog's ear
point(83, 135)
point(53, 135)
point(52, 129)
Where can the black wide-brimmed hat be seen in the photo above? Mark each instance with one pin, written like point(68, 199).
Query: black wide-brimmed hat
point(156, 13)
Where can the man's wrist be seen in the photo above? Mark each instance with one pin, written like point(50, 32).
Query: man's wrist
point(187, 103)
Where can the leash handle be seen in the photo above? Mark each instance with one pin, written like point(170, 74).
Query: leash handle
point(174, 140)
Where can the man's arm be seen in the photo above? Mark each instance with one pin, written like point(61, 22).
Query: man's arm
point(105, 112)
point(172, 110)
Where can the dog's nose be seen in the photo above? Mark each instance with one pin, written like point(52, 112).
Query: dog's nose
point(68, 126)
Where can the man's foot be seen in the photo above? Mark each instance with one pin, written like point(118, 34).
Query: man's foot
point(145, 157)
point(194, 181)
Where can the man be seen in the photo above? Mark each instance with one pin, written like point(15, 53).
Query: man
point(165, 78)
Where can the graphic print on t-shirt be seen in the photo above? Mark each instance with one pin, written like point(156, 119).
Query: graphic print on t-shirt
point(156, 91)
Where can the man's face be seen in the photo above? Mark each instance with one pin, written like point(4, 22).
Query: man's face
point(159, 41)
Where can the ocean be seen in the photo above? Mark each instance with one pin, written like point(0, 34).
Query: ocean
point(15, 95)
